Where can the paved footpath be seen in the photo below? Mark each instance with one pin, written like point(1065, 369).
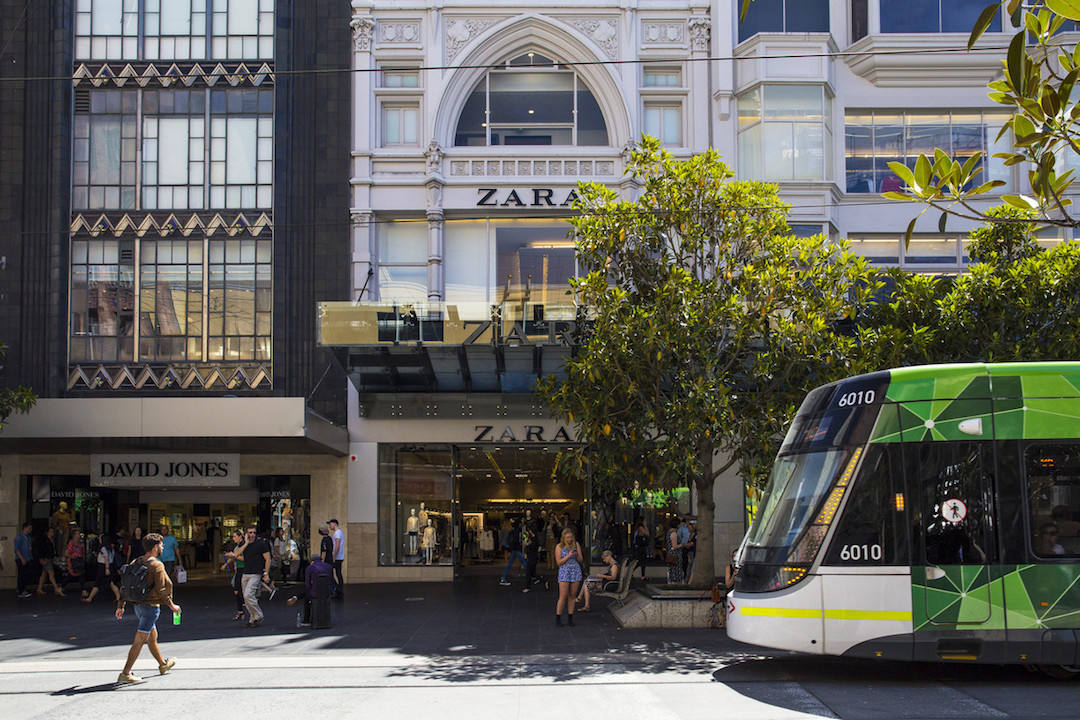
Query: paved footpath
point(471, 647)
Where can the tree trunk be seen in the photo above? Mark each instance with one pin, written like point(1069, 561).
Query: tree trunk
point(704, 573)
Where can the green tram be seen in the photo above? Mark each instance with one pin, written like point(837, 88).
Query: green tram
point(923, 513)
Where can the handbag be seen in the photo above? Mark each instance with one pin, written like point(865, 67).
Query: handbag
point(671, 558)
point(181, 576)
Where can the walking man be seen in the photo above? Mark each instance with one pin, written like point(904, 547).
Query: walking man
point(338, 536)
point(514, 547)
point(158, 592)
point(256, 571)
point(23, 556)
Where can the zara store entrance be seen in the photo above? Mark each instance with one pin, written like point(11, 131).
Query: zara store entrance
point(452, 504)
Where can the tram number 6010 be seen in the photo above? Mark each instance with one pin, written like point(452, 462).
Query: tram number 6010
point(856, 553)
point(862, 397)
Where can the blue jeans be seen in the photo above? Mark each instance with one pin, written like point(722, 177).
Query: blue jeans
point(147, 615)
point(514, 555)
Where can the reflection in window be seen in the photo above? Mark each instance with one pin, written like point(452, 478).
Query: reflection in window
point(785, 132)
point(170, 300)
point(931, 16)
point(778, 16)
point(415, 503)
point(534, 262)
point(102, 301)
point(531, 101)
point(873, 139)
point(1053, 485)
point(239, 300)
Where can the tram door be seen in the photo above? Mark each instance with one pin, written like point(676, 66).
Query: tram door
point(953, 482)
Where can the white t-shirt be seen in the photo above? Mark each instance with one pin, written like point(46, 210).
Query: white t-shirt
point(339, 534)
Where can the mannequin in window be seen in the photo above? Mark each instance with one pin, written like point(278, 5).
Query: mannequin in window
point(412, 530)
point(423, 515)
point(427, 542)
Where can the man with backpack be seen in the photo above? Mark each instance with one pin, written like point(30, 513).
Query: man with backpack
point(145, 584)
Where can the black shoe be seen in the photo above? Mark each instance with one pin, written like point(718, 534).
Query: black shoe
point(558, 621)
point(570, 620)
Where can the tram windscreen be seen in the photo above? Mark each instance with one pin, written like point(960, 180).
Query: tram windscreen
point(784, 539)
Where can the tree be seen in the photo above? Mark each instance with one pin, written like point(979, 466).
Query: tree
point(1038, 85)
point(1017, 302)
point(710, 321)
point(19, 400)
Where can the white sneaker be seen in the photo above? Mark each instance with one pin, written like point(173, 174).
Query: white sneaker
point(128, 679)
point(504, 583)
point(169, 663)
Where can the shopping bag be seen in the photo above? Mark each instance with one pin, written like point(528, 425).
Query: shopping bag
point(181, 576)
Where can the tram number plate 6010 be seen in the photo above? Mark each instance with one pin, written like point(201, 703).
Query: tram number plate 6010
point(856, 553)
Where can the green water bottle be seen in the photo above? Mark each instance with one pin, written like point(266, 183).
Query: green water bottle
point(176, 618)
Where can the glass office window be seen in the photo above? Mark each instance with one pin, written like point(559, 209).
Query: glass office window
point(662, 77)
point(242, 29)
point(171, 300)
point(466, 261)
point(241, 151)
point(173, 163)
point(875, 138)
point(175, 29)
point(531, 100)
point(107, 29)
point(399, 125)
point(784, 132)
point(931, 16)
point(534, 260)
point(779, 16)
point(404, 78)
point(105, 140)
point(239, 300)
point(102, 300)
point(403, 256)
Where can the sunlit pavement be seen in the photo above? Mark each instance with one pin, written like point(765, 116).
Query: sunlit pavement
point(471, 647)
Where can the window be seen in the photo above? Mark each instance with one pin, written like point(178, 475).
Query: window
point(174, 137)
point(403, 256)
point(664, 122)
point(171, 300)
point(399, 125)
point(531, 100)
point(931, 16)
point(785, 132)
point(416, 490)
point(873, 139)
point(239, 300)
point(400, 78)
point(860, 19)
point(105, 140)
point(174, 29)
point(878, 251)
point(534, 259)
point(662, 77)
point(871, 528)
point(102, 301)
point(1053, 486)
point(778, 16)
point(943, 472)
point(932, 253)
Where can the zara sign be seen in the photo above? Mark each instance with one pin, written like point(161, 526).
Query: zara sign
point(525, 197)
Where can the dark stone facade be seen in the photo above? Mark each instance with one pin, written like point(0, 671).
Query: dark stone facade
point(311, 195)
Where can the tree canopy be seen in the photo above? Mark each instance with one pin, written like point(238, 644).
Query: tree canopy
point(17, 400)
point(710, 320)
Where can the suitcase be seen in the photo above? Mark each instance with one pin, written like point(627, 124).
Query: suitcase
point(320, 605)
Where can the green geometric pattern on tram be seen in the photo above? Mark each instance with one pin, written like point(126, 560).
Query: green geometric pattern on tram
point(1040, 417)
point(1020, 597)
point(936, 381)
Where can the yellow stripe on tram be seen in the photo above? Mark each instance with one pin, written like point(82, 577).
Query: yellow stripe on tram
point(900, 615)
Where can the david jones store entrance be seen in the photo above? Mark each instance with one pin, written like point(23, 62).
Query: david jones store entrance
point(201, 500)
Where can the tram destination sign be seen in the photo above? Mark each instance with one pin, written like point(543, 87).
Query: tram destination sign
point(165, 470)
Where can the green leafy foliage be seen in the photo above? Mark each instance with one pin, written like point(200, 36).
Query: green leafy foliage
point(1039, 75)
point(1018, 302)
point(17, 400)
point(710, 321)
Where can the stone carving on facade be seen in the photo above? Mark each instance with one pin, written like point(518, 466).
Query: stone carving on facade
point(361, 218)
point(434, 196)
point(460, 30)
point(433, 157)
point(660, 32)
point(144, 74)
point(700, 28)
point(362, 30)
point(407, 32)
point(628, 150)
point(602, 31)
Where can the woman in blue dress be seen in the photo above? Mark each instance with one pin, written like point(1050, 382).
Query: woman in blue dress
point(569, 559)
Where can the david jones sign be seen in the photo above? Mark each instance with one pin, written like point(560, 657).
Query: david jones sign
point(158, 470)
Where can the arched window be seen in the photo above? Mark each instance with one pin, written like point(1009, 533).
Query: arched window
point(531, 100)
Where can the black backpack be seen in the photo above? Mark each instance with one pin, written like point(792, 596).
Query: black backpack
point(134, 581)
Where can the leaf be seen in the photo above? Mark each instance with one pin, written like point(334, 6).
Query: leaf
point(1024, 202)
point(985, 18)
point(941, 222)
point(922, 171)
point(910, 229)
point(1065, 8)
point(903, 172)
point(745, 9)
point(1014, 62)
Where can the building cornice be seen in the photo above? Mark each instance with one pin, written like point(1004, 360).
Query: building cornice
point(924, 60)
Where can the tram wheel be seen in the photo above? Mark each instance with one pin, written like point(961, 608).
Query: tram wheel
point(1061, 672)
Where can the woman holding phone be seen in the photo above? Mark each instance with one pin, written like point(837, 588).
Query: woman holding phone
point(569, 558)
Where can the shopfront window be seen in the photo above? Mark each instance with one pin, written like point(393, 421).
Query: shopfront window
point(531, 100)
point(416, 494)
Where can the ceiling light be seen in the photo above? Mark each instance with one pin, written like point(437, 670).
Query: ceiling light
point(531, 112)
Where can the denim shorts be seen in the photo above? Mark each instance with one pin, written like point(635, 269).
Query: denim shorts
point(148, 615)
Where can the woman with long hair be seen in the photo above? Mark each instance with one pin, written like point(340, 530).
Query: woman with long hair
point(234, 564)
point(46, 553)
point(569, 558)
point(595, 583)
point(673, 557)
point(106, 571)
point(75, 555)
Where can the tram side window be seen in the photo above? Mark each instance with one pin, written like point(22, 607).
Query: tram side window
point(955, 515)
point(871, 528)
point(1053, 486)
